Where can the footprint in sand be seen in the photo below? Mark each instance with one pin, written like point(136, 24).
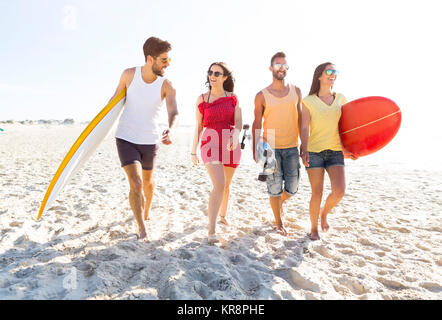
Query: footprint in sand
point(353, 285)
point(16, 224)
point(59, 208)
point(401, 230)
point(300, 281)
point(391, 283)
point(99, 188)
point(21, 240)
point(203, 208)
point(418, 245)
point(431, 286)
point(322, 250)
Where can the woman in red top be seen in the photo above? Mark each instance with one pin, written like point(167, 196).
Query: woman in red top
point(218, 113)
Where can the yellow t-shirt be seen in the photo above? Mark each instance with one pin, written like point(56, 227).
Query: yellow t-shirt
point(324, 120)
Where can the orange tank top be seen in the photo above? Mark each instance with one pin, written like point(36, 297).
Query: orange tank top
point(281, 119)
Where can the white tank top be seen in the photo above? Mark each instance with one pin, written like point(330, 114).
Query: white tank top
point(139, 120)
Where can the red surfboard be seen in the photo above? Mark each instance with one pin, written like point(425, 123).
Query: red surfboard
point(368, 124)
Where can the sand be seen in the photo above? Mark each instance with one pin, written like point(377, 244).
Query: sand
point(384, 241)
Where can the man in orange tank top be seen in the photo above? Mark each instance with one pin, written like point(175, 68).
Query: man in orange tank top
point(279, 105)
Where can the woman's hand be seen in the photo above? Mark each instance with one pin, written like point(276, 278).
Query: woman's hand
point(195, 159)
point(233, 144)
point(347, 154)
point(305, 156)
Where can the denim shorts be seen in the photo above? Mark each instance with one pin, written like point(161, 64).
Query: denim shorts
point(325, 159)
point(287, 173)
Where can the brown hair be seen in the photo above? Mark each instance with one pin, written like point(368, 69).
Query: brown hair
point(315, 83)
point(154, 47)
point(229, 84)
point(277, 55)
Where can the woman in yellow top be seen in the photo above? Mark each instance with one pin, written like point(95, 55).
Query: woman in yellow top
point(321, 148)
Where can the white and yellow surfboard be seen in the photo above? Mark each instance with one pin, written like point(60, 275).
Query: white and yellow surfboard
point(82, 149)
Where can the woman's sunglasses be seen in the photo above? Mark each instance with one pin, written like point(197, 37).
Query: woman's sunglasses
point(278, 66)
point(216, 73)
point(329, 72)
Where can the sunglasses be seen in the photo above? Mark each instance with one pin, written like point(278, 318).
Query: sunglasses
point(216, 73)
point(165, 60)
point(329, 72)
point(278, 66)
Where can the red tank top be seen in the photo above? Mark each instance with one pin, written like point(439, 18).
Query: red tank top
point(219, 115)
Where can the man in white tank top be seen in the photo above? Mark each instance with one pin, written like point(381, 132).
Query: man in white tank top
point(137, 133)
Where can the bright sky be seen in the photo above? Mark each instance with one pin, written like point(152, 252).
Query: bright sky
point(63, 59)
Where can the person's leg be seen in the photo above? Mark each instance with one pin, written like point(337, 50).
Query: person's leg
point(148, 154)
point(136, 198)
point(216, 173)
point(290, 165)
point(337, 181)
point(284, 197)
point(275, 190)
point(148, 187)
point(316, 178)
point(228, 174)
point(276, 204)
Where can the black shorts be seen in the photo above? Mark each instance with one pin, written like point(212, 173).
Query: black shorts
point(130, 153)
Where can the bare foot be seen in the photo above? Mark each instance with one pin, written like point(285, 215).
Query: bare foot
point(314, 235)
point(212, 238)
point(142, 236)
point(146, 218)
point(223, 220)
point(281, 230)
point(324, 224)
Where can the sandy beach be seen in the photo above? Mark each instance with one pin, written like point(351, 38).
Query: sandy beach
point(384, 242)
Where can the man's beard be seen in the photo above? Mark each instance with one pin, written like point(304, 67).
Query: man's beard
point(157, 70)
point(278, 77)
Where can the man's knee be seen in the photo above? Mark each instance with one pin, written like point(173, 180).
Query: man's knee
point(148, 184)
point(136, 185)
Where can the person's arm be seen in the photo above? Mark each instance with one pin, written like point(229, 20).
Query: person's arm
point(346, 153)
point(299, 109)
point(169, 93)
point(305, 127)
point(198, 130)
point(238, 126)
point(257, 123)
point(125, 79)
